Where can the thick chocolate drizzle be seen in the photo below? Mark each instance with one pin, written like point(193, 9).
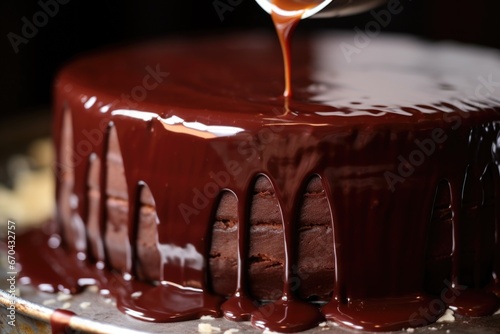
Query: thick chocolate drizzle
point(60, 321)
point(341, 126)
point(286, 16)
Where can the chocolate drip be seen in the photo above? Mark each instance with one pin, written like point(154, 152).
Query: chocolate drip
point(286, 16)
point(215, 126)
point(467, 205)
point(71, 224)
point(116, 238)
point(94, 229)
point(148, 261)
point(439, 241)
point(240, 305)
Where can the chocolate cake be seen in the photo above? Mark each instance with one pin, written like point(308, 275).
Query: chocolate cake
point(373, 193)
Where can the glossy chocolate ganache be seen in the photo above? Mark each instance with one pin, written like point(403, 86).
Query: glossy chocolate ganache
point(188, 187)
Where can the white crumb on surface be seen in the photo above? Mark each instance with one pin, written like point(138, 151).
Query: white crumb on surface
point(93, 288)
point(207, 328)
point(62, 297)
point(136, 294)
point(231, 330)
point(323, 324)
point(447, 316)
point(207, 317)
point(66, 305)
point(432, 328)
point(84, 305)
point(105, 293)
point(49, 301)
point(447, 331)
point(410, 330)
point(497, 312)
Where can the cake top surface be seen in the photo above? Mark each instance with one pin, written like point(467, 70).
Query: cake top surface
point(337, 80)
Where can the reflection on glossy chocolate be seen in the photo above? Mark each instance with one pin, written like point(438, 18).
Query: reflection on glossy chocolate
point(379, 183)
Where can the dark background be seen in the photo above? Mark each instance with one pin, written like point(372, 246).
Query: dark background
point(82, 25)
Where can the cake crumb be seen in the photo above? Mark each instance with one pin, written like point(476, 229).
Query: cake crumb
point(207, 328)
point(62, 297)
point(136, 294)
point(207, 317)
point(410, 330)
point(432, 328)
point(447, 316)
point(447, 331)
point(323, 324)
point(49, 302)
point(231, 330)
point(66, 305)
point(84, 305)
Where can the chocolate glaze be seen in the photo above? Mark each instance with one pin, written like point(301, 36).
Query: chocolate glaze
point(286, 16)
point(60, 321)
point(217, 122)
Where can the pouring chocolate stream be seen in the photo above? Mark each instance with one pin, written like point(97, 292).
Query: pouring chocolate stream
point(286, 15)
